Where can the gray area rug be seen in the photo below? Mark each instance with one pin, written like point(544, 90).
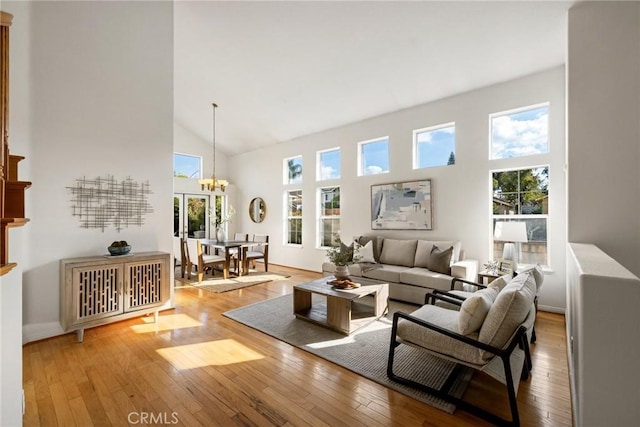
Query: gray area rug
point(218, 285)
point(364, 352)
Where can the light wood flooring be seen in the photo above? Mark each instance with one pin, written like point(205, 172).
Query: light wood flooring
point(196, 367)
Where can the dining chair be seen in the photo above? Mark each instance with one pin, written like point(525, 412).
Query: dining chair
point(178, 255)
point(198, 259)
point(235, 252)
point(260, 251)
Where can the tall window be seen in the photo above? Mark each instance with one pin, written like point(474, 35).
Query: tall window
point(523, 195)
point(328, 164)
point(292, 170)
point(329, 218)
point(294, 217)
point(186, 166)
point(373, 156)
point(434, 146)
point(521, 132)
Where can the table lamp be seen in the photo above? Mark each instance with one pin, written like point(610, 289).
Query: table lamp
point(511, 233)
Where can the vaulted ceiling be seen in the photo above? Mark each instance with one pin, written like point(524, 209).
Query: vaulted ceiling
point(280, 70)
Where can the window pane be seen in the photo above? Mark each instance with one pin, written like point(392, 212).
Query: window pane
point(534, 251)
point(521, 192)
point(196, 216)
point(374, 157)
point(294, 217)
point(435, 147)
point(185, 166)
point(328, 165)
point(293, 170)
point(330, 201)
point(329, 228)
point(521, 133)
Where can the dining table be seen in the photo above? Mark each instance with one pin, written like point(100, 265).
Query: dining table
point(242, 247)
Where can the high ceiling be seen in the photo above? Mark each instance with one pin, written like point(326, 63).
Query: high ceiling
point(280, 70)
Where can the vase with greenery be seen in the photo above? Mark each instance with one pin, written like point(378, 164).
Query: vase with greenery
point(341, 256)
point(219, 222)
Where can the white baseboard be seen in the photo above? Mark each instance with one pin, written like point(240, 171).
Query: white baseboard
point(40, 331)
point(551, 309)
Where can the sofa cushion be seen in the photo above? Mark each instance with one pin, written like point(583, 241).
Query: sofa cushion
point(363, 253)
point(425, 278)
point(423, 250)
point(500, 282)
point(398, 252)
point(440, 260)
point(377, 244)
point(509, 310)
point(434, 341)
point(538, 274)
point(385, 273)
point(474, 310)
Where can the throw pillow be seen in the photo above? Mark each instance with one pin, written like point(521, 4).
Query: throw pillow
point(440, 261)
point(474, 310)
point(348, 250)
point(376, 242)
point(538, 274)
point(500, 282)
point(363, 253)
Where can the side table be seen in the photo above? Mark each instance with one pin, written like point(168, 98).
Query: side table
point(485, 277)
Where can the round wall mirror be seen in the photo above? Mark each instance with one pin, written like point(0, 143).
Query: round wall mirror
point(257, 209)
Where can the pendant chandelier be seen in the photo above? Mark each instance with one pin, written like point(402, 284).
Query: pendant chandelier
point(212, 183)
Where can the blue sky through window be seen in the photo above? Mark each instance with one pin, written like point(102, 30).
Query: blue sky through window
point(434, 147)
point(522, 133)
point(329, 165)
point(375, 157)
point(186, 166)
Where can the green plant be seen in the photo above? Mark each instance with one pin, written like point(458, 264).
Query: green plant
point(119, 244)
point(340, 254)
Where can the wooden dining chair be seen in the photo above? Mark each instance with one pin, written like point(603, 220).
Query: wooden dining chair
point(235, 252)
point(178, 254)
point(196, 258)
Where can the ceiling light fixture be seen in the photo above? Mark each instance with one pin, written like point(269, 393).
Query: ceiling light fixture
point(212, 183)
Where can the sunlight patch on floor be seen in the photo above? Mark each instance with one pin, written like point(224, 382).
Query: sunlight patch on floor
point(348, 339)
point(212, 353)
point(165, 323)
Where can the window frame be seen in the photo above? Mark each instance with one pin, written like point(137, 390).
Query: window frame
point(519, 216)
point(319, 163)
point(286, 169)
point(199, 158)
point(288, 217)
point(518, 110)
point(360, 156)
point(416, 132)
point(321, 216)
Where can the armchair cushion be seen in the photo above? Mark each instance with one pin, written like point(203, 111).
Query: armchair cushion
point(500, 282)
point(538, 275)
point(509, 310)
point(435, 341)
point(398, 252)
point(474, 310)
point(440, 260)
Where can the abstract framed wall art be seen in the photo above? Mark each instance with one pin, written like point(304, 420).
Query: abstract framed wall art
point(402, 206)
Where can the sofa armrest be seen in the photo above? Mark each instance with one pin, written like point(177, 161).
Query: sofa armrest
point(466, 269)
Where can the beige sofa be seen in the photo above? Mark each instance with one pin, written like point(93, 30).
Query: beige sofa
point(404, 264)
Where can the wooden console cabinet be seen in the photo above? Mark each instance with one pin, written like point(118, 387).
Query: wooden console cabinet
point(102, 289)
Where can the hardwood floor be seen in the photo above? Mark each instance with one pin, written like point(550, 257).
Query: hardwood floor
point(196, 367)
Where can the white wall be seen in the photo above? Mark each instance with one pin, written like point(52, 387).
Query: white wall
point(462, 201)
point(604, 128)
point(101, 82)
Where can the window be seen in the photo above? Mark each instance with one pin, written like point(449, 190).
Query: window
point(294, 217)
point(523, 195)
point(292, 170)
point(328, 164)
point(373, 156)
point(186, 166)
point(329, 218)
point(520, 133)
point(434, 146)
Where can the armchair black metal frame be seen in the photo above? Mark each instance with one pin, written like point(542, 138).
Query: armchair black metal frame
point(443, 393)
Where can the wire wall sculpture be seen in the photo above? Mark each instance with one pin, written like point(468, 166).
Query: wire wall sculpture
point(101, 202)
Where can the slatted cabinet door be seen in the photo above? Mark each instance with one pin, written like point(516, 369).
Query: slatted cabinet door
point(143, 284)
point(97, 292)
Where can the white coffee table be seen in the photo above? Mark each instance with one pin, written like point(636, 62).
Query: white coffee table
point(344, 311)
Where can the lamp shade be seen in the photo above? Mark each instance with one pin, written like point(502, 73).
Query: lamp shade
point(510, 231)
